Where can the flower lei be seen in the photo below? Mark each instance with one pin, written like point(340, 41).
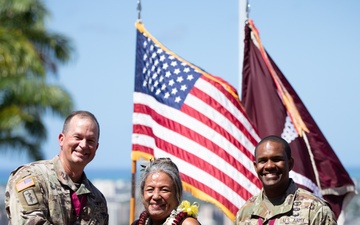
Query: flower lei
point(176, 216)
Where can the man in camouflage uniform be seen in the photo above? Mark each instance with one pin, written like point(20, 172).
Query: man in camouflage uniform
point(57, 191)
point(281, 201)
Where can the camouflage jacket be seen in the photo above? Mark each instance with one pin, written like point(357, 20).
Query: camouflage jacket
point(40, 193)
point(299, 207)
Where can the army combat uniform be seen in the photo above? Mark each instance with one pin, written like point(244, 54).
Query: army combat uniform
point(300, 207)
point(41, 193)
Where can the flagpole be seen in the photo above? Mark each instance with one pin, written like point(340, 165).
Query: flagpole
point(139, 10)
point(243, 16)
point(316, 173)
point(133, 186)
point(133, 164)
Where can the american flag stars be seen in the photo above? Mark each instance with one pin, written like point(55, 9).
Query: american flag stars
point(185, 113)
point(165, 77)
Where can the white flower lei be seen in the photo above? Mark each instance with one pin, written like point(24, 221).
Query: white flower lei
point(190, 210)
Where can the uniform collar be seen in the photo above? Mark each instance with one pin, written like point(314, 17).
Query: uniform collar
point(260, 209)
point(66, 180)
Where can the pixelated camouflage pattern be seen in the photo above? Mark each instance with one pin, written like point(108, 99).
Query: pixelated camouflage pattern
point(299, 207)
point(49, 200)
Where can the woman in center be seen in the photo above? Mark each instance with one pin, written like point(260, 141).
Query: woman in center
point(161, 193)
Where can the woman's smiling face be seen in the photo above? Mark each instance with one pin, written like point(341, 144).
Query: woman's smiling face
point(159, 196)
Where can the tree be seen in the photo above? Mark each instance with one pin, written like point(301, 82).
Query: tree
point(28, 53)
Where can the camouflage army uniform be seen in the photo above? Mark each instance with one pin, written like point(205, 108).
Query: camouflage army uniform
point(40, 193)
point(299, 207)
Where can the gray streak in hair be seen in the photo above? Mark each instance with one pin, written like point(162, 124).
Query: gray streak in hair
point(163, 165)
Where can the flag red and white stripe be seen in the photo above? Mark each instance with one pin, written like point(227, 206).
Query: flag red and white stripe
point(196, 119)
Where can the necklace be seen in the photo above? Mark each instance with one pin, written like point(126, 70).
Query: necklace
point(176, 216)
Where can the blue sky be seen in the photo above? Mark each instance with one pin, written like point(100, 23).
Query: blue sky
point(314, 43)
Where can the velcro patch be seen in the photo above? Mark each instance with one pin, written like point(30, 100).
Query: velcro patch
point(24, 183)
point(30, 197)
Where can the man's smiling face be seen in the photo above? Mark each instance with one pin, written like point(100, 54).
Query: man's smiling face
point(273, 167)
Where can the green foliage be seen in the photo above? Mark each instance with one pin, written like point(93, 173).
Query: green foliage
point(28, 53)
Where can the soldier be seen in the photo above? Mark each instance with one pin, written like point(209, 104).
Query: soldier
point(281, 201)
point(57, 191)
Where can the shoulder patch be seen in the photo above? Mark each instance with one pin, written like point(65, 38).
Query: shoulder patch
point(30, 197)
point(24, 183)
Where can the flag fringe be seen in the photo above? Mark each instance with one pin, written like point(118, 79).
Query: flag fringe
point(205, 197)
point(137, 155)
point(283, 93)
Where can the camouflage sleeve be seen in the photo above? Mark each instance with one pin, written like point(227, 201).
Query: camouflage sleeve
point(323, 215)
point(242, 215)
point(25, 203)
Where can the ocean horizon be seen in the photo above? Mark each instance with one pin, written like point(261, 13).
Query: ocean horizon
point(125, 174)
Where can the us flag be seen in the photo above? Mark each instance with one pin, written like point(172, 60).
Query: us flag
point(196, 119)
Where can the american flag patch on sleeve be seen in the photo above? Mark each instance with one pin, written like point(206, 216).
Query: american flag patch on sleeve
point(24, 183)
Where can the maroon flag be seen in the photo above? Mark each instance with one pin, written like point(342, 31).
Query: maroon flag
point(275, 108)
point(196, 119)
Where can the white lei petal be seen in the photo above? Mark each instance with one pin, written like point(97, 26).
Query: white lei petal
point(172, 217)
point(176, 212)
point(169, 220)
